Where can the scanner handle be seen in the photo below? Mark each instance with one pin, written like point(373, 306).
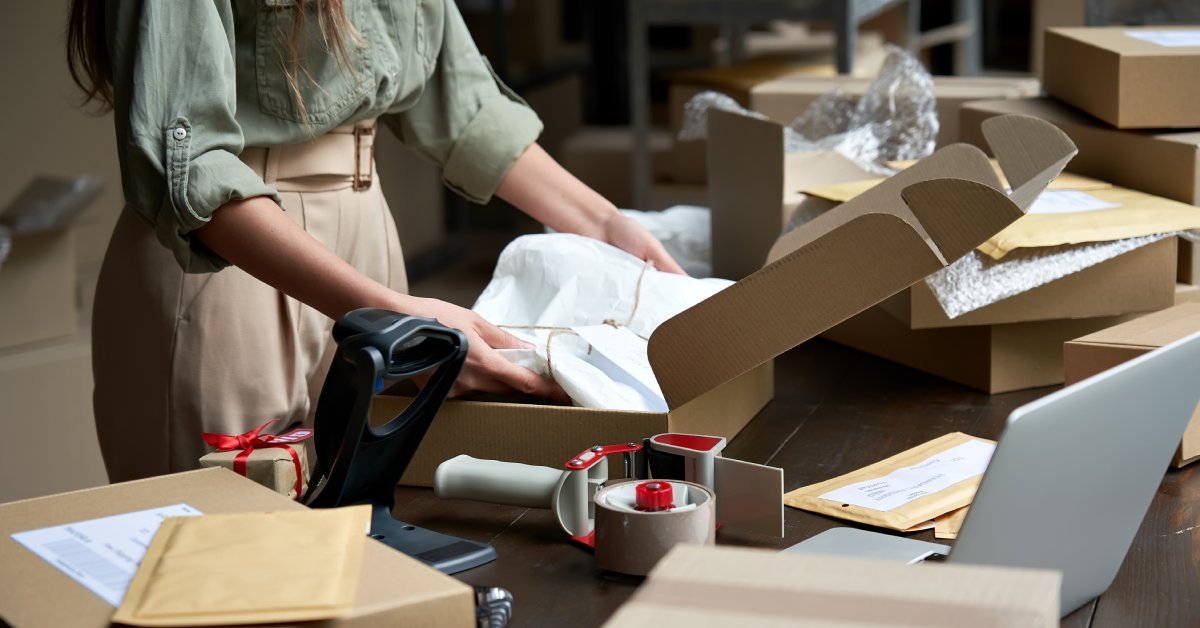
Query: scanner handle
point(496, 482)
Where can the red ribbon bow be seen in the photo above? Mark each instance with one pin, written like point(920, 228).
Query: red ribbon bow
point(247, 443)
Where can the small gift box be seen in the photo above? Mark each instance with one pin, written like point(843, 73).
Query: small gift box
point(278, 462)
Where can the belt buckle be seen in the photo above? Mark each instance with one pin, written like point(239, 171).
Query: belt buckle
point(362, 177)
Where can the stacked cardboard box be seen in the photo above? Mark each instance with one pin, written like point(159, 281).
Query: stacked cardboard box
point(1126, 97)
point(1009, 345)
point(1102, 350)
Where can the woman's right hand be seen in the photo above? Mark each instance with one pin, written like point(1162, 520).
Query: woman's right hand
point(486, 370)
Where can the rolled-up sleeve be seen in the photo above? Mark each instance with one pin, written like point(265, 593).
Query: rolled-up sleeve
point(466, 120)
point(176, 102)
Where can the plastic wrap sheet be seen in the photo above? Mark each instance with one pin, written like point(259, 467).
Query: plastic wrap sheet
point(544, 285)
point(895, 120)
point(977, 280)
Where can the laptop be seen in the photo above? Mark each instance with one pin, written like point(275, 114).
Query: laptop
point(1070, 480)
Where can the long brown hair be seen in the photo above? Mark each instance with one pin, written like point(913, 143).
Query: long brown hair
point(91, 68)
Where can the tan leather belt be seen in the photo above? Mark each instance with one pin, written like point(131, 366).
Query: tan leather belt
point(346, 151)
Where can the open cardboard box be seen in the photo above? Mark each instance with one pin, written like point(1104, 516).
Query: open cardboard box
point(784, 98)
point(753, 198)
point(713, 360)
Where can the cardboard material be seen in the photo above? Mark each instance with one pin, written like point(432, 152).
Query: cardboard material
point(1097, 352)
point(1162, 163)
point(784, 98)
point(755, 186)
point(37, 288)
point(712, 361)
point(1142, 280)
point(1189, 262)
point(393, 588)
point(724, 586)
point(1123, 79)
point(273, 467)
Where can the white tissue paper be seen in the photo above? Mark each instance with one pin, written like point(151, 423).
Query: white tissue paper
point(568, 286)
point(685, 231)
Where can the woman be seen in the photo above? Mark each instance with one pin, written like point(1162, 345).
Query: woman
point(227, 111)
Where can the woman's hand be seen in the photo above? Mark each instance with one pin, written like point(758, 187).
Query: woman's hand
point(486, 370)
point(540, 187)
point(630, 236)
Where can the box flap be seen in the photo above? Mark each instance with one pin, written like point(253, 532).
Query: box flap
point(1031, 152)
point(818, 285)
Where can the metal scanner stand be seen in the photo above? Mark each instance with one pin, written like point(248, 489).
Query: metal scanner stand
point(361, 464)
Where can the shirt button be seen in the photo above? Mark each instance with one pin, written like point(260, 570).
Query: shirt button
point(179, 133)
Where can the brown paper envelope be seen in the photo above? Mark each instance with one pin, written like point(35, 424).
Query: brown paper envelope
point(1139, 214)
point(249, 568)
point(948, 525)
point(909, 517)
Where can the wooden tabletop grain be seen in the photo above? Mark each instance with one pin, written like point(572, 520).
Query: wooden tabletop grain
point(835, 410)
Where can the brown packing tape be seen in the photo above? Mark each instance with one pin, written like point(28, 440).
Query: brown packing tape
point(829, 607)
point(634, 542)
point(914, 513)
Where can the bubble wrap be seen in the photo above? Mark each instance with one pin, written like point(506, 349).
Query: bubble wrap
point(896, 119)
point(977, 280)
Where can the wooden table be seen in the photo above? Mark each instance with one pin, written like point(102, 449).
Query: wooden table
point(835, 410)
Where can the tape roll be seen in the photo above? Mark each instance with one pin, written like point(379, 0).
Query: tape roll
point(632, 542)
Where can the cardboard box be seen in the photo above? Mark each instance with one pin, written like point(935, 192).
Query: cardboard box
point(713, 360)
point(1161, 163)
point(991, 358)
point(534, 30)
point(1097, 352)
point(393, 589)
point(559, 104)
point(37, 288)
point(785, 98)
point(415, 195)
point(1189, 262)
point(1130, 77)
point(1142, 280)
point(601, 158)
point(755, 187)
point(725, 586)
point(48, 438)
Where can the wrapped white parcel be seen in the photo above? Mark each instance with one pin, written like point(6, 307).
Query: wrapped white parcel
point(588, 309)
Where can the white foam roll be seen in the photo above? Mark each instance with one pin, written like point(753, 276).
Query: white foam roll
point(632, 542)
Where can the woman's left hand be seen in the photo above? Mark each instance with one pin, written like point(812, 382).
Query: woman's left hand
point(630, 236)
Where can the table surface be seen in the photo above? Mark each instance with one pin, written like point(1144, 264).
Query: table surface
point(835, 410)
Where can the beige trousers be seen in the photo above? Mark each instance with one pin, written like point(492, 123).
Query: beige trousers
point(177, 354)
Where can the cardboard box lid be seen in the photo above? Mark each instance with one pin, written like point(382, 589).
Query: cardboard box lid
point(1151, 331)
point(1116, 40)
point(819, 275)
point(37, 594)
point(714, 586)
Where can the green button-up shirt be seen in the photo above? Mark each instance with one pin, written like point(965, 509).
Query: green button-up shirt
point(195, 81)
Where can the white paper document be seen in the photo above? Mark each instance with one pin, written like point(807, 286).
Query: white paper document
point(1181, 38)
point(933, 474)
point(101, 554)
point(1068, 202)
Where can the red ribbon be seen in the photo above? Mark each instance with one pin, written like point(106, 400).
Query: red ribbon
point(247, 443)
